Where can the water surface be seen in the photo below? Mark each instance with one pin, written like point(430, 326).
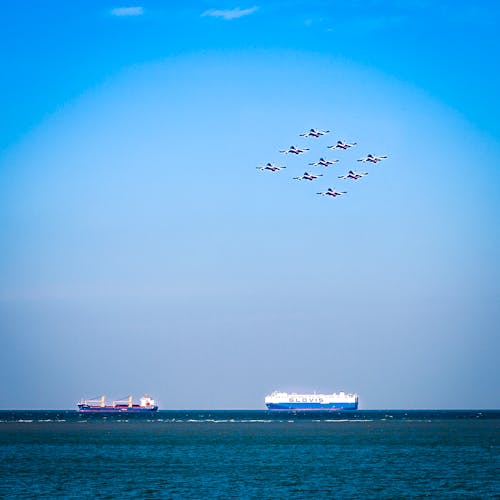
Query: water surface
point(250, 454)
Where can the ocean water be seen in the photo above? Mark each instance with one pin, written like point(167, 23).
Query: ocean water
point(250, 454)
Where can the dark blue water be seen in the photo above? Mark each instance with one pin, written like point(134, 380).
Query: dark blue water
point(251, 454)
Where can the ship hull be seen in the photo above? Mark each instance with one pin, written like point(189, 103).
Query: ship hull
point(115, 409)
point(312, 406)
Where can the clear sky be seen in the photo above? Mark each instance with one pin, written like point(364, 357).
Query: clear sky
point(141, 250)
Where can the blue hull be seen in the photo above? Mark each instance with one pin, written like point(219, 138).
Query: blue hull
point(312, 406)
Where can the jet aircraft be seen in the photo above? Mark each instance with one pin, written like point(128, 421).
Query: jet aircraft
point(353, 175)
point(332, 192)
point(323, 162)
point(294, 150)
point(271, 167)
point(373, 159)
point(314, 133)
point(343, 145)
point(308, 177)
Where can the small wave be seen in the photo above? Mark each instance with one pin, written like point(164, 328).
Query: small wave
point(224, 421)
point(341, 420)
point(212, 421)
point(24, 421)
point(262, 421)
point(414, 420)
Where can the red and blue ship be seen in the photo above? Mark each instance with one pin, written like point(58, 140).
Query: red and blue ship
point(145, 405)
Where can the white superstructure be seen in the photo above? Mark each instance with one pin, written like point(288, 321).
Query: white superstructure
point(147, 402)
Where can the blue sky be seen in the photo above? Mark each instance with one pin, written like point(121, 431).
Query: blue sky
point(142, 250)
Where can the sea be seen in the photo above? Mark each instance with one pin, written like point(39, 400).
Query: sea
point(250, 454)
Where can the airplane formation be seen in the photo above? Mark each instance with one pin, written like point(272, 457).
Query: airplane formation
point(340, 145)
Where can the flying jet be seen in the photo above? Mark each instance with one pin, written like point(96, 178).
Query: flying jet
point(343, 145)
point(271, 167)
point(323, 162)
point(314, 133)
point(332, 192)
point(353, 175)
point(294, 150)
point(308, 177)
point(373, 159)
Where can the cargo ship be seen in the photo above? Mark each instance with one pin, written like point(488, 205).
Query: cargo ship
point(146, 404)
point(338, 401)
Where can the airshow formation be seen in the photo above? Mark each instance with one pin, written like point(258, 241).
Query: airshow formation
point(277, 400)
point(323, 162)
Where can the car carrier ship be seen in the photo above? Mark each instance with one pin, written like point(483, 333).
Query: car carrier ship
point(293, 401)
point(146, 404)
